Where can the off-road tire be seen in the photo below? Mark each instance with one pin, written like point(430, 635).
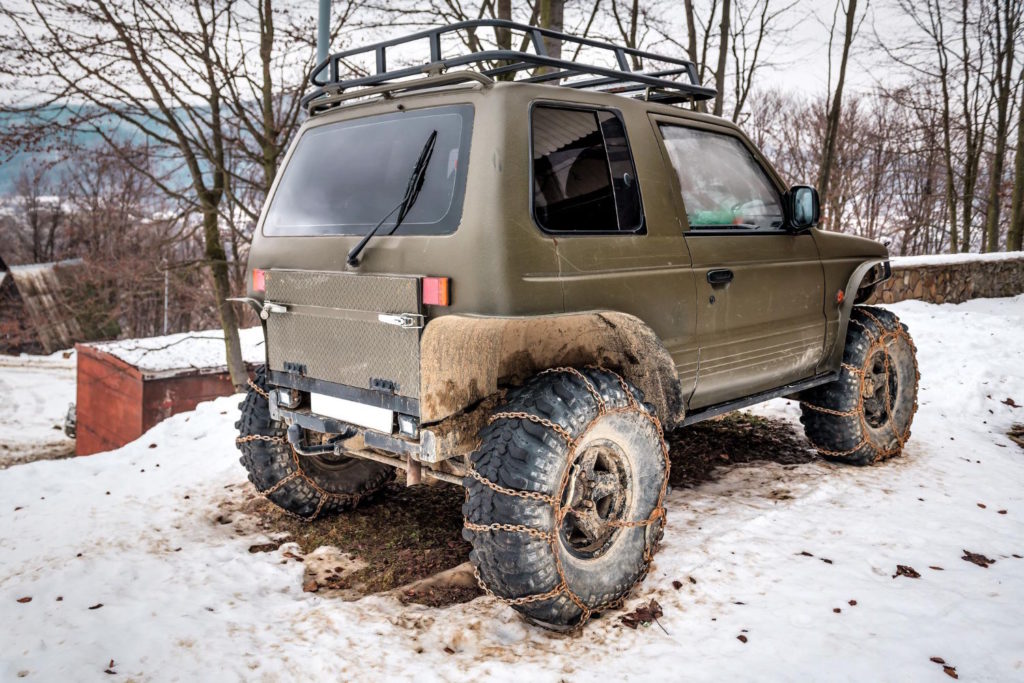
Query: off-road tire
point(857, 419)
point(304, 486)
point(525, 455)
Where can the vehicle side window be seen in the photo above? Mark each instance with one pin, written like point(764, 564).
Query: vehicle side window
point(723, 186)
point(583, 174)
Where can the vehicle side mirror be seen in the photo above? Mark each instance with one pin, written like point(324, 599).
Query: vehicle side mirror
point(803, 208)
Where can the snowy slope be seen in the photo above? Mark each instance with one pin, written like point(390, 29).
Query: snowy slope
point(182, 599)
point(36, 391)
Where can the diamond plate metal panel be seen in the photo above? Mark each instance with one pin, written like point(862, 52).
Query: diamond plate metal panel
point(352, 351)
point(378, 293)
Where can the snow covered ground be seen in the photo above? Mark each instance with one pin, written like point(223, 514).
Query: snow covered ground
point(36, 392)
point(129, 570)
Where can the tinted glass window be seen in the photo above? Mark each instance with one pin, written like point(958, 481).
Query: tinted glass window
point(723, 185)
point(583, 175)
point(344, 177)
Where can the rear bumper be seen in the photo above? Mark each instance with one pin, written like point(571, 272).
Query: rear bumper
point(425, 449)
point(371, 397)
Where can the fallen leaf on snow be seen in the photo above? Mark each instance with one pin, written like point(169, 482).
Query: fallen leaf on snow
point(24, 599)
point(264, 547)
point(1010, 402)
point(742, 638)
point(643, 615)
point(977, 558)
point(938, 660)
point(907, 571)
point(677, 584)
point(950, 671)
point(97, 605)
point(310, 586)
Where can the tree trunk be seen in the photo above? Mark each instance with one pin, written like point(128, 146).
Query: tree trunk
point(215, 256)
point(835, 111)
point(503, 35)
point(723, 56)
point(551, 17)
point(1014, 237)
point(268, 146)
point(691, 32)
point(1002, 84)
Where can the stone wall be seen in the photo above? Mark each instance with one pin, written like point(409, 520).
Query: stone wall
point(953, 278)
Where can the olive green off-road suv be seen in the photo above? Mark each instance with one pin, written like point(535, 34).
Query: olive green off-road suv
point(513, 276)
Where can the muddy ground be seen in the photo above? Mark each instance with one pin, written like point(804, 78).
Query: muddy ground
point(407, 534)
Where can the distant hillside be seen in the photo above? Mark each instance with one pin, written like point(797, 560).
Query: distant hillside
point(12, 168)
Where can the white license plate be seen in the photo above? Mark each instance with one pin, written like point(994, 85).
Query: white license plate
point(371, 417)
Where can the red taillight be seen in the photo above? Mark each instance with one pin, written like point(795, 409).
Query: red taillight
point(259, 280)
point(436, 291)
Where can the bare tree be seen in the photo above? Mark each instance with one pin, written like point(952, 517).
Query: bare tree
point(1016, 230)
point(753, 28)
point(723, 56)
point(207, 80)
point(1003, 33)
point(835, 101)
point(41, 215)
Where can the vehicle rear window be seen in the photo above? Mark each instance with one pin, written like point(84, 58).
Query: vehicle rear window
point(583, 175)
point(344, 177)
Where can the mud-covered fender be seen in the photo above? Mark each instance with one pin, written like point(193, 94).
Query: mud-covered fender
point(834, 356)
point(464, 359)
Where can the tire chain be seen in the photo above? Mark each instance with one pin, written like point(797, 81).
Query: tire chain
point(881, 340)
point(551, 535)
point(297, 473)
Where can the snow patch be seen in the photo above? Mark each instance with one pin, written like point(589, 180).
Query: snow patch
point(954, 259)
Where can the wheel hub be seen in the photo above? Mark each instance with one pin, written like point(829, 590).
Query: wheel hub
point(878, 388)
point(595, 496)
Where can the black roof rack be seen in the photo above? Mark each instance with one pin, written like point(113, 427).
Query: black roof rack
point(663, 85)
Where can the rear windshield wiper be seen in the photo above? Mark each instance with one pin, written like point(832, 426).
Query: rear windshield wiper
point(412, 190)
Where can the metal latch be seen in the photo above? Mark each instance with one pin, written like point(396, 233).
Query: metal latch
point(270, 307)
point(406, 320)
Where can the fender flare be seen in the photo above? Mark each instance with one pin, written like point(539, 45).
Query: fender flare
point(464, 359)
point(835, 355)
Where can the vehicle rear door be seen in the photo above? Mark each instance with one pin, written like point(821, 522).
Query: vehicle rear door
point(760, 288)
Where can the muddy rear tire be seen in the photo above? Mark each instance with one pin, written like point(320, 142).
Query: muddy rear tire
point(615, 471)
point(864, 416)
point(301, 485)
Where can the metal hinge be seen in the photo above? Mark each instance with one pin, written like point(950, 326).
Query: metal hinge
point(270, 307)
point(406, 320)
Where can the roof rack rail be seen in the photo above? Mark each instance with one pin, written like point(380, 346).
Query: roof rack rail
point(661, 85)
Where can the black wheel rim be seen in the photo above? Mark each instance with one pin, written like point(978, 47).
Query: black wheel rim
point(595, 496)
point(878, 388)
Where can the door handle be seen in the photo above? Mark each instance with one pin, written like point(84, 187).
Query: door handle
point(719, 276)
